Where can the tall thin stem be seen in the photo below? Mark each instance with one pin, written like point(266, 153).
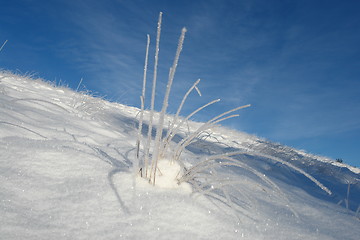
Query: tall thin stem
point(2, 46)
point(159, 131)
point(142, 99)
point(148, 143)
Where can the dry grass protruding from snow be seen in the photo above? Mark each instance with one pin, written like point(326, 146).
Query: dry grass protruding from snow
point(159, 156)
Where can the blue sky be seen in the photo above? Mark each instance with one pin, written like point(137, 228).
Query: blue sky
point(296, 62)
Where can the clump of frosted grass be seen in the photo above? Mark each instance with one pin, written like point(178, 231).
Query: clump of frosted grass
point(203, 176)
point(147, 164)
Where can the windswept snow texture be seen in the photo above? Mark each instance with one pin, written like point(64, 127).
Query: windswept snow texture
point(66, 173)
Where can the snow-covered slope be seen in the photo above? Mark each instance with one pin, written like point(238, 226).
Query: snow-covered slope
point(66, 173)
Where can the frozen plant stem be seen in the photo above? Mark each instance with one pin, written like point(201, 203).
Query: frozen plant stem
point(159, 131)
point(219, 118)
point(194, 86)
point(175, 119)
point(142, 99)
point(149, 136)
point(2, 46)
point(77, 89)
point(347, 196)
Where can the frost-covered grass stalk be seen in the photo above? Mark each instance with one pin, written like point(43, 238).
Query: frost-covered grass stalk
point(142, 99)
point(347, 198)
point(153, 92)
point(2, 46)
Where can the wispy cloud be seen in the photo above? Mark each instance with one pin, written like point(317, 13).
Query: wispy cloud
point(243, 55)
point(106, 47)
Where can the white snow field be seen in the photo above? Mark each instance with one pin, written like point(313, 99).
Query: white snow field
point(66, 172)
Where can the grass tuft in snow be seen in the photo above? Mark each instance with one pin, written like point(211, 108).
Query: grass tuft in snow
point(160, 162)
point(147, 164)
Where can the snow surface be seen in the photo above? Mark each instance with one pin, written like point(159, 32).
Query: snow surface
point(66, 173)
